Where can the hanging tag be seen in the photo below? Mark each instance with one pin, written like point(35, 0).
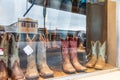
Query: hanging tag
point(28, 50)
point(1, 51)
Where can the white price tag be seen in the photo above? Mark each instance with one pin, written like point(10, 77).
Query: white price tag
point(1, 51)
point(28, 50)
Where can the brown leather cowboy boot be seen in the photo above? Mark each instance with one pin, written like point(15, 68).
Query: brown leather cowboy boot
point(101, 56)
point(3, 71)
point(31, 72)
point(73, 55)
point(44, 69)
point(67, 66)
point(17, 73)
point(91, 63)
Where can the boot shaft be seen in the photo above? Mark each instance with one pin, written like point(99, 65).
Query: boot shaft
point(65, 49)
point(94, 48)
point(73, 49)
point(5, 45)
point(14, 50)
point(102, 50)
point(41, 50)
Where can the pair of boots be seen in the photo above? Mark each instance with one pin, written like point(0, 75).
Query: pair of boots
point(70, 61)
point(32, 70)
point(98, 55)
point(15, 68)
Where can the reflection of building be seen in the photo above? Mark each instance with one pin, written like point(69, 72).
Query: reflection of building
point(27, 25)
point(60, 33)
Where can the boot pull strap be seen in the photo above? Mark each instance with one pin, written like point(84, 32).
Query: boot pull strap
point(92, 43)
point(18, 38)
point(28, 38)
point(34, 37)
point(41, 37)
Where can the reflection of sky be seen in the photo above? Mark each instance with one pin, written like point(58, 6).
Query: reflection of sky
point(11, 10)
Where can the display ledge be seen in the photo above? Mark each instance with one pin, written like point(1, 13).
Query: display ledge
point(84, 75)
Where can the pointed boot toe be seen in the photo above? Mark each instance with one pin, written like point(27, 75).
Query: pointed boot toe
point(3, 71)
point(91, 63)
point(17, 73)
point(31, 72)
point(45, 71)
point(100, 63)
point(68, 68)
point(78, 66)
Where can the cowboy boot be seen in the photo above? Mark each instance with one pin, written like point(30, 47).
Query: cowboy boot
point(101, 56)
point(81, 48)
point(17, 73)
point(67, 66)
point(31, 72)
point(73, 55)
point(44, 69)
point(93, 59)
point(5, 46)
point(3, 71)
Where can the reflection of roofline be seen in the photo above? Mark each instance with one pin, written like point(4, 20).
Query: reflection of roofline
point(2, 27)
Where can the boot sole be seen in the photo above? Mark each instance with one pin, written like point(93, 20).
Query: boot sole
point(69, 72)
point(46, 76)
point(80, 70)
point(32, 78)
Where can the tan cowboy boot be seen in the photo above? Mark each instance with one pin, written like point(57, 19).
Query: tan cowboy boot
point(73, 55)
point(67, 66)
point(81, 48)
point(31, 72)
point(101, 56)
point(45, 71)
point(3, 71)
point(93, 59)
point(5, 46)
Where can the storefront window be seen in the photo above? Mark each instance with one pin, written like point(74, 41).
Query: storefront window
point(52, 38)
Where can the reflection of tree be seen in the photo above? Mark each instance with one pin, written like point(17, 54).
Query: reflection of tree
point(82, 6)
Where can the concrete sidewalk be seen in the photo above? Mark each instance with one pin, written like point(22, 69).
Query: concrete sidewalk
point(108, 76)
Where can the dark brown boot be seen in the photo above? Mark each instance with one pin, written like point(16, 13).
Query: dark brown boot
point(17, 73)
point(3, 71)
point(67, 66)
point(73, 55)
